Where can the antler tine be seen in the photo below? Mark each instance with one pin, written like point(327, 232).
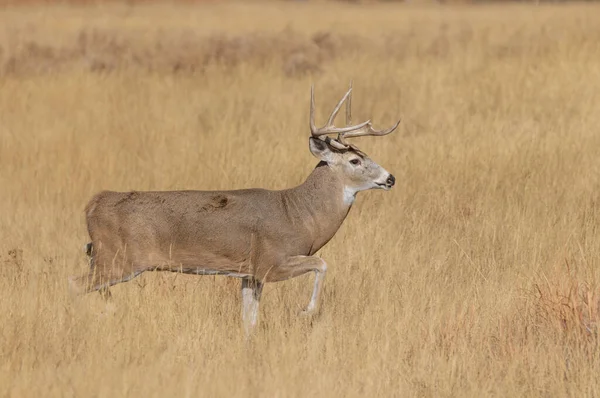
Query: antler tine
point(313, 127)
point(349, 107)
point(366, 130)
point(337, 108)
point(333, 130)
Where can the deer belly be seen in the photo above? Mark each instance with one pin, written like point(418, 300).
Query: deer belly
point(201, 263)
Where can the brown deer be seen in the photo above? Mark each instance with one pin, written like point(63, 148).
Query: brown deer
point(257, 235)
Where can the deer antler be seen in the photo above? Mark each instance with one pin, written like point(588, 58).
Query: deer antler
point(349, 131)
point(329, 128)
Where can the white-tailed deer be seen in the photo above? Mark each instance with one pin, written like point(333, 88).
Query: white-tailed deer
point(255, 234)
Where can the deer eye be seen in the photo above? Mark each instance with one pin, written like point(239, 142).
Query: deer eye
point(355, 162)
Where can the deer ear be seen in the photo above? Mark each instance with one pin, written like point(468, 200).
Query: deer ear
point(320, 149)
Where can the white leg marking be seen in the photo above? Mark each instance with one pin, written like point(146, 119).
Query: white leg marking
point(251, 292)
point(314, 299)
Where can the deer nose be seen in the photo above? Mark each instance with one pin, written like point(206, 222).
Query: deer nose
point(391, 180)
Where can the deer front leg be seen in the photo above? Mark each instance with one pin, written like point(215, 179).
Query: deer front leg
point(298, 265)
point(251, 292)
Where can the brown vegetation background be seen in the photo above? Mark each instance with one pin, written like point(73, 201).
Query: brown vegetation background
point(475, 276)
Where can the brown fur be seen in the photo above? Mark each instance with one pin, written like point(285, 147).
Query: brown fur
point(242, 232)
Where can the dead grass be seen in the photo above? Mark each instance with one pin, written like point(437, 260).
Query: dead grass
point(476, 276)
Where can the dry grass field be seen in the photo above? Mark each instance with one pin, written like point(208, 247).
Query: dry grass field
point(477, 275)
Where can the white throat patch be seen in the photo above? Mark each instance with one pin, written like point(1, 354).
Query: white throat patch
point(349, 195)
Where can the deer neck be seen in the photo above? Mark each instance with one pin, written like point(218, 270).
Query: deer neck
point(320, 204)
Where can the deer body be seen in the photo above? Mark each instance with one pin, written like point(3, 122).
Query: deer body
point(258, 235)
point(236, 233)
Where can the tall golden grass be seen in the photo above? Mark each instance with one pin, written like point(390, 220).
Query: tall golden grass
point(477, 275)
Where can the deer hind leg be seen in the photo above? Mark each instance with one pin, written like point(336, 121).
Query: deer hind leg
point(98, 278)
point(88, 248)
point(299, 265)
point(95, 281)
point(251, 292)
